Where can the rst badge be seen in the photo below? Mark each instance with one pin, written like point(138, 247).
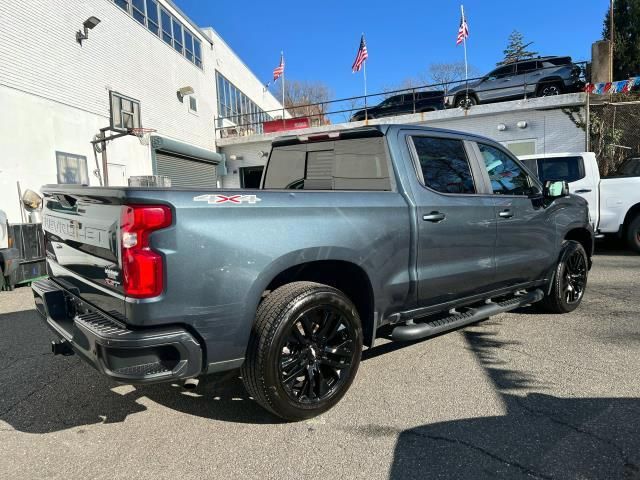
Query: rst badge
point(216, 199)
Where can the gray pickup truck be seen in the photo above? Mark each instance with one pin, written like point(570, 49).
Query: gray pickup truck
point(415, 229)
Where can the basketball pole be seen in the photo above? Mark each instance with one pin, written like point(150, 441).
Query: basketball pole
point(105, 169)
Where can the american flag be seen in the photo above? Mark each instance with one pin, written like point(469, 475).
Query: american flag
point(463, 31)
point(279, 70)
point(361, 56)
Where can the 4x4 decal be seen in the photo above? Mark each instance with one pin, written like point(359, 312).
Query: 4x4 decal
point(217, 198)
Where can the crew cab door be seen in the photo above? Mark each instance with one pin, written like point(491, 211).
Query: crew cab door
point(498, 85)
point(456, 224)
point(526, 235)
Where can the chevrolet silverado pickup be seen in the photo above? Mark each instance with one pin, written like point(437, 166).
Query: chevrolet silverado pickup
point(415, 229)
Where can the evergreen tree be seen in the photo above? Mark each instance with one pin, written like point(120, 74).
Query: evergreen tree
point(626, 38)
point(516, 49)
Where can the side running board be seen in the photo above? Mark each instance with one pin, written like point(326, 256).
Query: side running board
point(416, 331)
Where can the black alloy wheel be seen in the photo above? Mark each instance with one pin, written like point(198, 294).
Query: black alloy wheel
point(317, 355)
point(550, 90)
point(466, 102)
point(574, 280)
point(304, 350)
point(569, 280)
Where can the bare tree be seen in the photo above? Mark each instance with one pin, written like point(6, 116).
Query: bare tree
point(305, 99)
point(444, 73)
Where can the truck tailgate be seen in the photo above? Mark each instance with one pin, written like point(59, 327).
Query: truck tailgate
point(82, 248)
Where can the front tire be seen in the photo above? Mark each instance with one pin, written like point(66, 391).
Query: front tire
point(304, 350)
point(463, 101)
point(569, 280)
point(633, 234)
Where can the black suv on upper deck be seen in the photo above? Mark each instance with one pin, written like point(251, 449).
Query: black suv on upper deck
point(540, 77)
point(412, 102)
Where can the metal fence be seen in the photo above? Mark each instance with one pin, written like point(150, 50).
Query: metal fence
point(360, 107)
point(614, 123)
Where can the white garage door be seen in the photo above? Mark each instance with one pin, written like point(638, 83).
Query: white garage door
point(185, 171)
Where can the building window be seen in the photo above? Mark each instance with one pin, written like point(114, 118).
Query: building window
point(123, 4)
point(188, 45)
point(193, 103)
point(160, 22)
point(521, 147)
point(197, 50)
point(177, 36)
point(165, 18)
point(235, 106)
point(138, 10)
point(153, 24)
point(72, 168)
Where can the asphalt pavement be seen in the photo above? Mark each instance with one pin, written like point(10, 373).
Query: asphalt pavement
point(522, 395)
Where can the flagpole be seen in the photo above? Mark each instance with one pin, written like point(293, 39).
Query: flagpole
point(466, 70)
point(364, 67)
point(283, 108)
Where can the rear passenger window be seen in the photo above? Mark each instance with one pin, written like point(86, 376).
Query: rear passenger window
point(357, 164)
point(569, 169)
point(507, 177)
point(444, 165)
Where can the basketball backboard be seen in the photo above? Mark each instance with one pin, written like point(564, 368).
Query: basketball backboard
point(125, 112)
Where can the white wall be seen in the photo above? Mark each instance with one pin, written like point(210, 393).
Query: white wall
point(54, 93)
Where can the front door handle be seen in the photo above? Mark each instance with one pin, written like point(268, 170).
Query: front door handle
point(434, 217)
point(506, 213)
point(584, 190)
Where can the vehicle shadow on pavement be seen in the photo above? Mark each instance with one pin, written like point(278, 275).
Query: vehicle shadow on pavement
point(540, 436)
point(42, 393)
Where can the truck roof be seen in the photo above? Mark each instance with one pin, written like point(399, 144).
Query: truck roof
point(368, 131)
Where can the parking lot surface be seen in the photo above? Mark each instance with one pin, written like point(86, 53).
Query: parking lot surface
point(521, 395)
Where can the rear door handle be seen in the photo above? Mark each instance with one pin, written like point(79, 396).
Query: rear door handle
point(506, 213)
point(584, 190)
point(434, 217)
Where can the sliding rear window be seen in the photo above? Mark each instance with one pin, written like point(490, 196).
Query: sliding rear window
point(357, 164)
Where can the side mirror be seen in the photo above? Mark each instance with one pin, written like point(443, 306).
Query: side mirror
point(490, 79)
point(556, 189)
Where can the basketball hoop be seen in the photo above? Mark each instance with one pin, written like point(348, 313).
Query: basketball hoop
point(143, 134)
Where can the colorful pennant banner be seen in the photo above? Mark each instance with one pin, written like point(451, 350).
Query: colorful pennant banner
point(621, 86)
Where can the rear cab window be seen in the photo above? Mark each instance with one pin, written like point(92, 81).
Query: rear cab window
point(354, 164)
point(569, 169)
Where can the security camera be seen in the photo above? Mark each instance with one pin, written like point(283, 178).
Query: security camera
point(88, 24)
point(184, 91)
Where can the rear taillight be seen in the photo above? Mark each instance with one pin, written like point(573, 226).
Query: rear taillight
point(142, 267)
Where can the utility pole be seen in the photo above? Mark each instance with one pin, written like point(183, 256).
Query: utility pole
point(611, 40)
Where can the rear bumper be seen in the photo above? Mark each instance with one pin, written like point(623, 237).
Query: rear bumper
point(125, 355)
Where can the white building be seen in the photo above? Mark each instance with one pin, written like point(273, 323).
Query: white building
point(54, 93)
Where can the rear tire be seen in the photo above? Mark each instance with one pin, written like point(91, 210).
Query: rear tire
point(549, 89)
point(569, 280)
point(633, 234)
point(304, 350)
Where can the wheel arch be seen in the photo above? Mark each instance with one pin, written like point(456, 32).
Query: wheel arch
point(547, 80)
point(632, 213)
point(472, 93)
point(584, 237)
point(346, 276)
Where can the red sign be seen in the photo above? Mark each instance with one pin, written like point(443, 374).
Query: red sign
point(286, 124)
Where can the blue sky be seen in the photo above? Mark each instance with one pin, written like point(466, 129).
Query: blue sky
point(320, 38)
